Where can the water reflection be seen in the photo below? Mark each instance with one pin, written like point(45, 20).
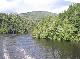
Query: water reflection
point(63, 50)
point(25, 47)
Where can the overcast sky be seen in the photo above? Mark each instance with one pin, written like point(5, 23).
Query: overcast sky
point(22, 6)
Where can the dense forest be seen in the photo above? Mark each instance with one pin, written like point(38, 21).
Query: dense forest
point(12, 23)
point(64, 26)
point(21, 23)
point(44, 25)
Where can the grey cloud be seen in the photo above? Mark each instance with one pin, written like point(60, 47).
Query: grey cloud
point(22, 7)
point(10, 0)
point(8, 10)
point(60, 3)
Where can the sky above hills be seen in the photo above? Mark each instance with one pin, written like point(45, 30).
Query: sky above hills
point(22, 6)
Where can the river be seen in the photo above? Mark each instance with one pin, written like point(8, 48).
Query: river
point(25, 47)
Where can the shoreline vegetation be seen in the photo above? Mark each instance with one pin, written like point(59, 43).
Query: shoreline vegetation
point(44, 25)
point(63, 27)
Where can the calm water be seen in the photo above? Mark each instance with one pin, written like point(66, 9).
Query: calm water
point(25, 47)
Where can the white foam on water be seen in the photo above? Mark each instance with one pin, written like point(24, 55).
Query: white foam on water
point(24, 53)
point(5, 51)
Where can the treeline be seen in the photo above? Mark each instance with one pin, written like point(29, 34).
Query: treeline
point(23, 23)
point(15, 24)
point(64, 26)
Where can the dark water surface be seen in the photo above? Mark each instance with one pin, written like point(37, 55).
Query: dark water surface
point(25, 47)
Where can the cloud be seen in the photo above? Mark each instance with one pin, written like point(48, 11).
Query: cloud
point(44, 5)
point(10, 0)
point(75, 1)
point(61, 3)
point(7, 10)
point(21, 6)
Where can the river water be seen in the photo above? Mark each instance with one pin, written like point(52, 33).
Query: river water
point(25, 47)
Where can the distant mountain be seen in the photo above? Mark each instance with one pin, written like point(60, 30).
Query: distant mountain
point(37, 15)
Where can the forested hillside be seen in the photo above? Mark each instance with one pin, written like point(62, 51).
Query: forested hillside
point(36, 15)
point(65, 26)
